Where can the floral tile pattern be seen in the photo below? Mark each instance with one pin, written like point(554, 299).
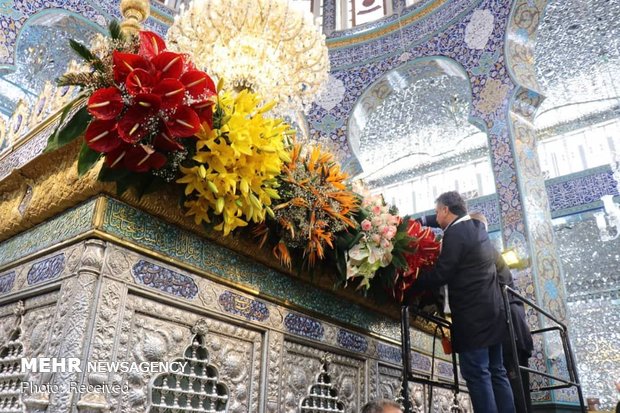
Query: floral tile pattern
point(164, 279)
point(6, 282)
point(389, 353)
point(352, 341)
point(60, 228)
point(304, 326)
point(246, 307)
point(46, 270)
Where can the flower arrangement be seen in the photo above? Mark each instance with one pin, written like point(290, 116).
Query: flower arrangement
point(374, 248)
point(151, 114)
point(315, 204)
point(233, 171)
point(154, 117)
point(142, 101)
point(423, 251)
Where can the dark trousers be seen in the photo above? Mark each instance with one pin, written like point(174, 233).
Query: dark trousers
point(489, 389)
point(521, 406)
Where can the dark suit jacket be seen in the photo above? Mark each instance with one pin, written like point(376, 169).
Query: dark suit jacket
point(467, 265)
point(522, 330)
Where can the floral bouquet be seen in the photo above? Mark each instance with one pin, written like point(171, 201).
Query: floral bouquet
point(373, 249)
point(422, 253)
point(143, 100)
point(155, 118)
point(314, 205)
point(232, 174)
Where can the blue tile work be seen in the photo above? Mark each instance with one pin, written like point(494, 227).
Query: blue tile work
point(386, 21)
point(389, 353)
point(352, 341)
point(581, 191)
point(364, 68)
point(14, 18)
point(6, 282)
point(304, 326)
point(420, 362)
point(489, 206)
point(47, 269)
point(135, 226)
point(329, 16)
point(443, 369)
point(60, 228)
point(164, 279)
point(12, 23)
point(246, 307)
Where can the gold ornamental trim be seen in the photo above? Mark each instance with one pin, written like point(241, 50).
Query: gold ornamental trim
point(388, 29)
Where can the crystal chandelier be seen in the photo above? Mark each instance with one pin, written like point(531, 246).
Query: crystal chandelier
point(264, 45)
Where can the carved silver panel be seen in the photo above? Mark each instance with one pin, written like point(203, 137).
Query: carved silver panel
point(153, 331)
point(302, 363)
point(390, 386)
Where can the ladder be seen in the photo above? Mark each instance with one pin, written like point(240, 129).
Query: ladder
point(408, 376)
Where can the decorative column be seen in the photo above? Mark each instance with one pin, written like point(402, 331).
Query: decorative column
point(329, 17)
point(398, 6)
point(543, 280)
point(71, 326)
point(134, 13)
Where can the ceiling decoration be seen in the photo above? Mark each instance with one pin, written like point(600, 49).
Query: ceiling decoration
point(578, 59)
point(39, 59)
point(414, 116)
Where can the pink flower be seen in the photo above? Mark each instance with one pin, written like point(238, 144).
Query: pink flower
point(376, 221)
point(385, 243)
point(376, 209)
point(390, 232)
point(376, 238)
point(393, 220)
point(366, 225)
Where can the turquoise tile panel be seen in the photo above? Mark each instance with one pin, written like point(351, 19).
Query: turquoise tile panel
point(63, 227)
point(137, 227)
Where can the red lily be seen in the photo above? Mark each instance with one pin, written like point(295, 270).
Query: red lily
point(150, 44)
point(136, 158)
point(106, 103)
point(102, 136)
point(142, 158)
point(159, 98)
point(140, 119)
point(125, 63)
point(426, 250)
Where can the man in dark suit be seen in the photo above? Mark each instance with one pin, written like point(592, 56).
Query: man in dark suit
point(467, 265)
point(523, 336)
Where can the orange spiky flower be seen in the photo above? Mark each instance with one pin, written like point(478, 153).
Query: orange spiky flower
point(315, 204)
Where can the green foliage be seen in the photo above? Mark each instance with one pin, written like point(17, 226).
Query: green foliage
point(74, 128)
point(87, 55)
point(115, 30)
point(87, 159)
point(142, 183)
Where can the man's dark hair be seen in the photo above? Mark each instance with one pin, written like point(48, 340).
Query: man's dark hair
point(454, 202)
point(377, 406)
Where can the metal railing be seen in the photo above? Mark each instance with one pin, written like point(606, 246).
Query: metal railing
point(560, 327)
point(408, 375)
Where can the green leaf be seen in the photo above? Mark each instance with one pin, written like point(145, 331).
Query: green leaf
point(355, 240)
point(87, 159)
point(87, 55)
point(112, 175)
point(121, 177)
point(115, 30)
point(74, 128)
